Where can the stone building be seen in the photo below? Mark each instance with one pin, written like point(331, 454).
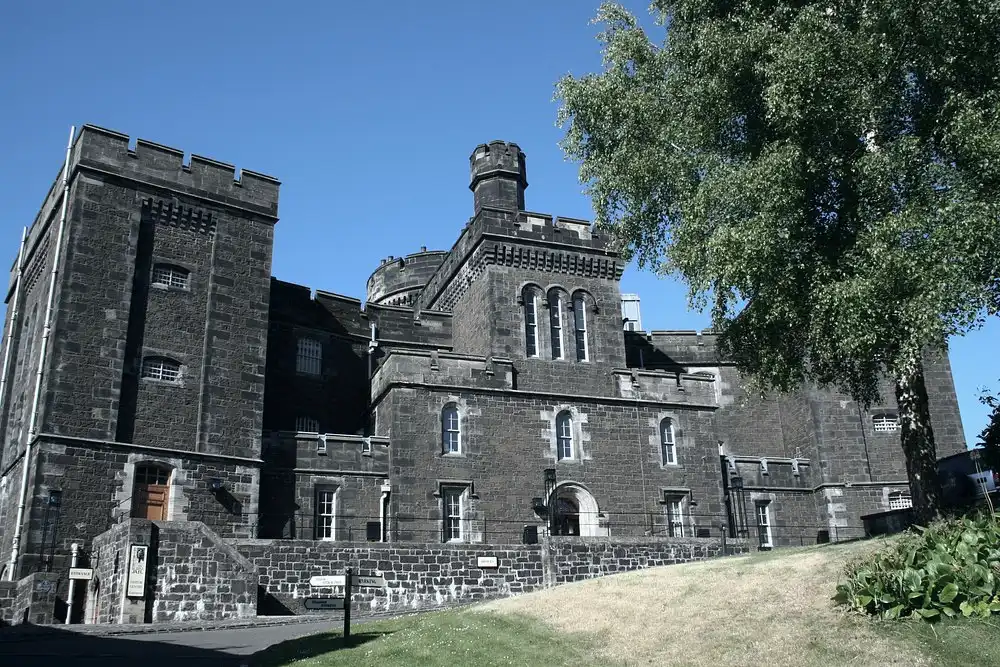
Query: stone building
point(492, 392)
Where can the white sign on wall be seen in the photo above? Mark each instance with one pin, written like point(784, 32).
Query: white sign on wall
point(84, 573)
point(137, 561)
point(334, 580)
point(486, 561)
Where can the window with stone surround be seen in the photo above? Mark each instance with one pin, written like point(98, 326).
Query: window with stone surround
point(451, 430)
point(452, 513)
point(668, 445)
point(564, 436)
point(309, 357)
point(305, 424)
point(326, 513)
point(764, 523)
point(673, 506)
point(529, 298)
point(580, 327)
point(161, 368)
point(885, 423)
point(898, 500)
point(556, 323)
point(167, 275)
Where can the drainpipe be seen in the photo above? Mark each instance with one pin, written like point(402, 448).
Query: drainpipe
point(386, 490)
point(74, 549)
point(14, 314)
point(46, 332)
point(372, 346)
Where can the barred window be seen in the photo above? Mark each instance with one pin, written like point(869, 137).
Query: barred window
point(564, 436)
point(166, 275)
point(885, 423)
point(306, 425)
point(309, 358)
point(675, 516)
point(451, 430)
point(899, 500)
point(161, 368)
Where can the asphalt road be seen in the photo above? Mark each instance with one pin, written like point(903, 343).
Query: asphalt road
point(226, 648)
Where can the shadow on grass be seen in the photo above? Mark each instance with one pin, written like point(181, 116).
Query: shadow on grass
point(310, 647)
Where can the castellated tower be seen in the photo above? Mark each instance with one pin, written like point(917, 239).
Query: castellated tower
point(152, 378)
point(499, 177)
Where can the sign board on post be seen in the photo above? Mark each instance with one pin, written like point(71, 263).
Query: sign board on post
point(137, 558)
point(84, 573)
point(324, 604)
point(368, 582)
point(334, 580)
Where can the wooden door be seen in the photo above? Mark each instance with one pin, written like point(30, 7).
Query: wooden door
point(151, 493)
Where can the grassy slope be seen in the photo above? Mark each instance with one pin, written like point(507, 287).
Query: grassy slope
point(772, 609)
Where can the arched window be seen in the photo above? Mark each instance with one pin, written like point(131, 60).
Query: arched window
point(161, 368)
point(166, 275)
point(151, 492)
point(668, 447)
point(530, 300)
point(556, 323)
point(580, 326)
point(564, 436)
point(309, 357)
point(451, 430)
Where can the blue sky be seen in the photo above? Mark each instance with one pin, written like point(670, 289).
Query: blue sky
point(367, 112)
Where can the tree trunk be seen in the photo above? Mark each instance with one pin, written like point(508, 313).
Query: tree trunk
point(917, 438)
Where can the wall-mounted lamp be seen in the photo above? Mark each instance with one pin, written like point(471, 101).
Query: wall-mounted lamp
point(215, 485)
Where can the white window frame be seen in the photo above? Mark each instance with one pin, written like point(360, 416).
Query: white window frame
point(580, 328)
point(530, 298)
point(763, 511)
point(308, 356)
point(900, 500)
point(674, 509)
point(306, 424)
point(451, 431)
point(556, 325)
point(668, 445)
point(452, 514)
point(161, 369)
point(326, 514)
point(885, 423)
point(171, 276)
point(565, 445)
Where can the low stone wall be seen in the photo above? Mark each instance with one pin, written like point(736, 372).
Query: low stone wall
point(424, 576)
point(8, 596)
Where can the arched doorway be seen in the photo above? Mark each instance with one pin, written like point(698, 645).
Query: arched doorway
point(151, 492)
point(575, 511)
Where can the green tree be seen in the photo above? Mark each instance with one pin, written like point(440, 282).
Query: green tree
point(824, 174)
point(989, 438)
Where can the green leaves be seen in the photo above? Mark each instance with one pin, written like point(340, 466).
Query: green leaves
point(949, 568)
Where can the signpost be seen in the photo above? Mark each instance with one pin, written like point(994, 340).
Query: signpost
point(348, 580)
point(370, 582)
point(325, 604)
point(322, 582)
point(81, 573)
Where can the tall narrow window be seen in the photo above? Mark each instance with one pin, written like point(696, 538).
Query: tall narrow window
point(530, 322)
point(306, 425)
point(309, 357)
point(451, 433)
point(580, 322)
point(764, 524)
point(668, 446)
point(564, 436)
point(326, 514)
point(451, 498)
point(555, 324)
point(165, 275)
point(675, 516)
point(161, 368)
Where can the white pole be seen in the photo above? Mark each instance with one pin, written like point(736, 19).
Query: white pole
point(15, 546)
point(74, 549)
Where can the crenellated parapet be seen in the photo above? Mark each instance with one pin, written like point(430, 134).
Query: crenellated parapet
point(403, 367)
point(693, 389)
point(398, 281)
point(671, 350)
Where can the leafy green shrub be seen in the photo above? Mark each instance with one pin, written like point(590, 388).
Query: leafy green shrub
point(951, 567)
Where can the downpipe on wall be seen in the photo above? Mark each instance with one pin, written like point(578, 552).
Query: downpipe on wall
point(46, 333)
point(14, 315)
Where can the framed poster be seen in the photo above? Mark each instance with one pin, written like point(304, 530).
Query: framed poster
point(135, 586)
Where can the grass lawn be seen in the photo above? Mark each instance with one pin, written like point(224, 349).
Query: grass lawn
point(771, 609)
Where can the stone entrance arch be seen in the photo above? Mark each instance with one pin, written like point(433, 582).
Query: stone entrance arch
point(576, 511)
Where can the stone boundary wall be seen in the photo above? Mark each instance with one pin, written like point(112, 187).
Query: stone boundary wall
point(427, 576)
point(8, 596)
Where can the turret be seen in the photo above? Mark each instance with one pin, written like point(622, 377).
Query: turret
point(499, 176)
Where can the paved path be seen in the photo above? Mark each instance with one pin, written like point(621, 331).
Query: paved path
point(226, 648)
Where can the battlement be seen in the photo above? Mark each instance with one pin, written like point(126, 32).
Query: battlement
point(399, 280)
point(671, 350)
point(104, 150)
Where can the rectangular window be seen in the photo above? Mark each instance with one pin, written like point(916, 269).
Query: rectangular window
point(764, 524)
point(309, 357)
point(170, 276)
point(885, 423)
point(306, 425)
point(564, 437)
point(326, 504)
point(669, 446)
point(159, 368)
point(900, 501)
point(675, 516)
point(555, 321)
point(452, 513)
point(580, 320)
